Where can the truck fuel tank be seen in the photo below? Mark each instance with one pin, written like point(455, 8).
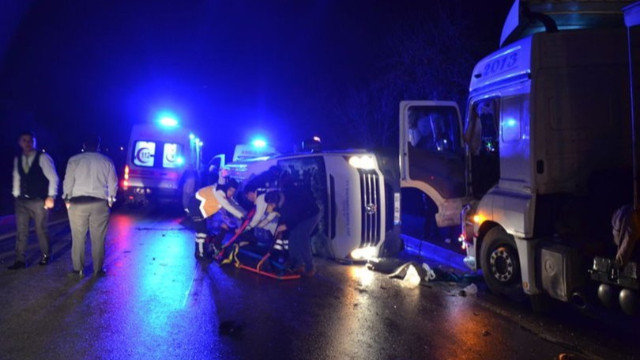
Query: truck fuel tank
point(560, 271)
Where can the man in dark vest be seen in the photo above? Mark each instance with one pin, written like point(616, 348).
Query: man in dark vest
point(35, 185)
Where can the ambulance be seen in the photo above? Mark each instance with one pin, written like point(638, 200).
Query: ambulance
point(163, 164)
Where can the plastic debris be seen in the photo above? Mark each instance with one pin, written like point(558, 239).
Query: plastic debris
point(469, 290)
point(429, 274)
point(402, 272)
point(412, 278)
point(385, 265)
point(472, 289)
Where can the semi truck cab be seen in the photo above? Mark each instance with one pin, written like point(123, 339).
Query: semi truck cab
point(547, 158)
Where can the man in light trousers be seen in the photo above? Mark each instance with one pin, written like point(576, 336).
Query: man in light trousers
point(89, 189)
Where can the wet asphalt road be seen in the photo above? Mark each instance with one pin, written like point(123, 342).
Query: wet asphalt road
point(158, 301)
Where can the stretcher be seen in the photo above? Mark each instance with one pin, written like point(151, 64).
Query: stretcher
point(254, 258)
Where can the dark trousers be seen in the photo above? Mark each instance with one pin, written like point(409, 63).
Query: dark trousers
point(25, 210)
point(199, 225)
point(93, 217)
point(300, 243)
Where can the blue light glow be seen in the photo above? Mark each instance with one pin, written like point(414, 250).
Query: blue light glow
point(180, 160)
point(167, 119)
point(259, 143)
point(168, 122)
point(191, 136)
point(510, 122)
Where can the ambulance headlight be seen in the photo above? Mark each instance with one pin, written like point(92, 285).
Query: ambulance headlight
point(364, 253)
point(365, 162)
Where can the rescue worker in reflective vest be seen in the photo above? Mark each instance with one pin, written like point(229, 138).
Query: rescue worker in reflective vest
point(208, 201)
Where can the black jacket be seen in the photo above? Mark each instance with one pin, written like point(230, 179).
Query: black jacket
point(299, 205)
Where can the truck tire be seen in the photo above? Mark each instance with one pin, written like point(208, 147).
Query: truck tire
point(500, 264)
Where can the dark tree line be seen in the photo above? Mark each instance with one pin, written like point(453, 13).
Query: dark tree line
point(430, 57)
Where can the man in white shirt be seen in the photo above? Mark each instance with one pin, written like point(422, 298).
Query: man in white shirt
point(89, 188)
point(35, 185)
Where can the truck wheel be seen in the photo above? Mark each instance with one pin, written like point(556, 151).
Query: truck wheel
point(501, 265)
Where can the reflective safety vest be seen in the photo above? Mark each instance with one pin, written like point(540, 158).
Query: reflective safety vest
point(209, 205)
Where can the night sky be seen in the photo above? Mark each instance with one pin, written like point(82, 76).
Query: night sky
point(228, 69)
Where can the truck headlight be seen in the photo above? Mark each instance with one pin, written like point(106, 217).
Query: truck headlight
point(364, 253)
point(366, 162)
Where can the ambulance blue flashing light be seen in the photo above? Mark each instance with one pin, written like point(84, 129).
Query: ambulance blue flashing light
point(168, 122)
point(167, 119)
point(259, 143)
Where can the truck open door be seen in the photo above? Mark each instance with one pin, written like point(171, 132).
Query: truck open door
point(432, 155)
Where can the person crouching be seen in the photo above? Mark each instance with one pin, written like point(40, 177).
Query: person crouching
point(208, 201)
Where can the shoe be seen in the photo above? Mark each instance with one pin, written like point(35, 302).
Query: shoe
point(45, 260)
point(294, 270)
point(100, 273)
point(309, 273)
point(17, 265)
point(76, 274)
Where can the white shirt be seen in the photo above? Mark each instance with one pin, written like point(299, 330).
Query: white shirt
point(90, 174)
point(270, 222)
point(48, 168)
point(261, 207)
point(228, 204)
